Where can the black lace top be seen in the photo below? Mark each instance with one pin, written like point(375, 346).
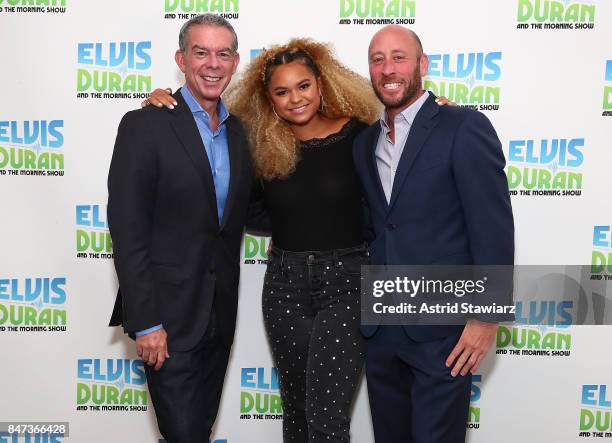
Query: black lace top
point(318, 207)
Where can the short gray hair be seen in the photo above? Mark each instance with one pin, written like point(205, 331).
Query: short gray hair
point(207, 20)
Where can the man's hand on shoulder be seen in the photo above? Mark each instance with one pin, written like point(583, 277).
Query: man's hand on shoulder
point(472, 347)
point(152, 348)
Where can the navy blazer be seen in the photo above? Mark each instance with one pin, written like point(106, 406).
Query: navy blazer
point(173, 257)
point(450, 202)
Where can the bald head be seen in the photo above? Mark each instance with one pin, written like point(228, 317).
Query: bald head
point(397, 67)
point(401, 37)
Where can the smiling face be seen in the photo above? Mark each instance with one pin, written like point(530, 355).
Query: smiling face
point(396, 67)
point(208, 62)
point(295, 93)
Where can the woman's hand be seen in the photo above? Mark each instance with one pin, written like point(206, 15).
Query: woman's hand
point(441, 101)
point(159, 98)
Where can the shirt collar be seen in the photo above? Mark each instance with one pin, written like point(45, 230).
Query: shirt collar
point(195, 107)
point(407, 114)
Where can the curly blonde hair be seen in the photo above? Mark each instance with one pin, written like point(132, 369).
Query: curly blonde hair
point(274, 148)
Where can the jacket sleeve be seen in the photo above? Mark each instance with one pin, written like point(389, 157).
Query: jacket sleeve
point(131, 201)
point(258, 219)
point(478, 167)
point(366, 219)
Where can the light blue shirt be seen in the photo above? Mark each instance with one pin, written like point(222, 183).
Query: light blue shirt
point(388, 153)
point(217, 151)
point(216, 146)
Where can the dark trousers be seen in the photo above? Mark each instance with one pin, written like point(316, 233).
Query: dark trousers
point(311, 307)
point(413, 397)
point(187, 389)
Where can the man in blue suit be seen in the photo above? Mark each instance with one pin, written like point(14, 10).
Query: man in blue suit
point(436, 193)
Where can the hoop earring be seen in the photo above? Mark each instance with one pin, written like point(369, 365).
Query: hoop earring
point(274, 110)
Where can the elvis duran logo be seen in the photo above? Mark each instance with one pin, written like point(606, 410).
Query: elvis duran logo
point(259, 395)
point(186, 9)
point(595, 412)
point(255, 250)
point(474, 411)
point(551, 14)
point(469, 79)
point(546, 167)
point(114, 70)
point(607, 93)
point(33, 6)
point(377, 12)
point(32, 147)
point(92, 237)
point(541, 329)
point(33, 304)
point(111, 385)
point(601, 256)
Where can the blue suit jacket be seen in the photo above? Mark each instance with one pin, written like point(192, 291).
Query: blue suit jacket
point(449, 203)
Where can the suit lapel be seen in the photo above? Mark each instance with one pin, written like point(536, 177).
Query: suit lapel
point(422, 125)
point(371, 142)
point(187, 132)
point(234, 146)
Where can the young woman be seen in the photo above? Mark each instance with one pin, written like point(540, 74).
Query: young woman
point(302, 109)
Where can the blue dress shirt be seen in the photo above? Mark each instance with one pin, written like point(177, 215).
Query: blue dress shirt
point(217, 151)
point(216, 146)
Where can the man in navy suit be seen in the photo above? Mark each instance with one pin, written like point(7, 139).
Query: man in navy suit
point(436, 193)
point(179, 193)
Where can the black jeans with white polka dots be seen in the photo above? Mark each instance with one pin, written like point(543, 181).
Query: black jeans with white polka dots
point(311, 307)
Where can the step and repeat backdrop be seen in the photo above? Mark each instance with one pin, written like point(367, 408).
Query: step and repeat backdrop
point(540, 70)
